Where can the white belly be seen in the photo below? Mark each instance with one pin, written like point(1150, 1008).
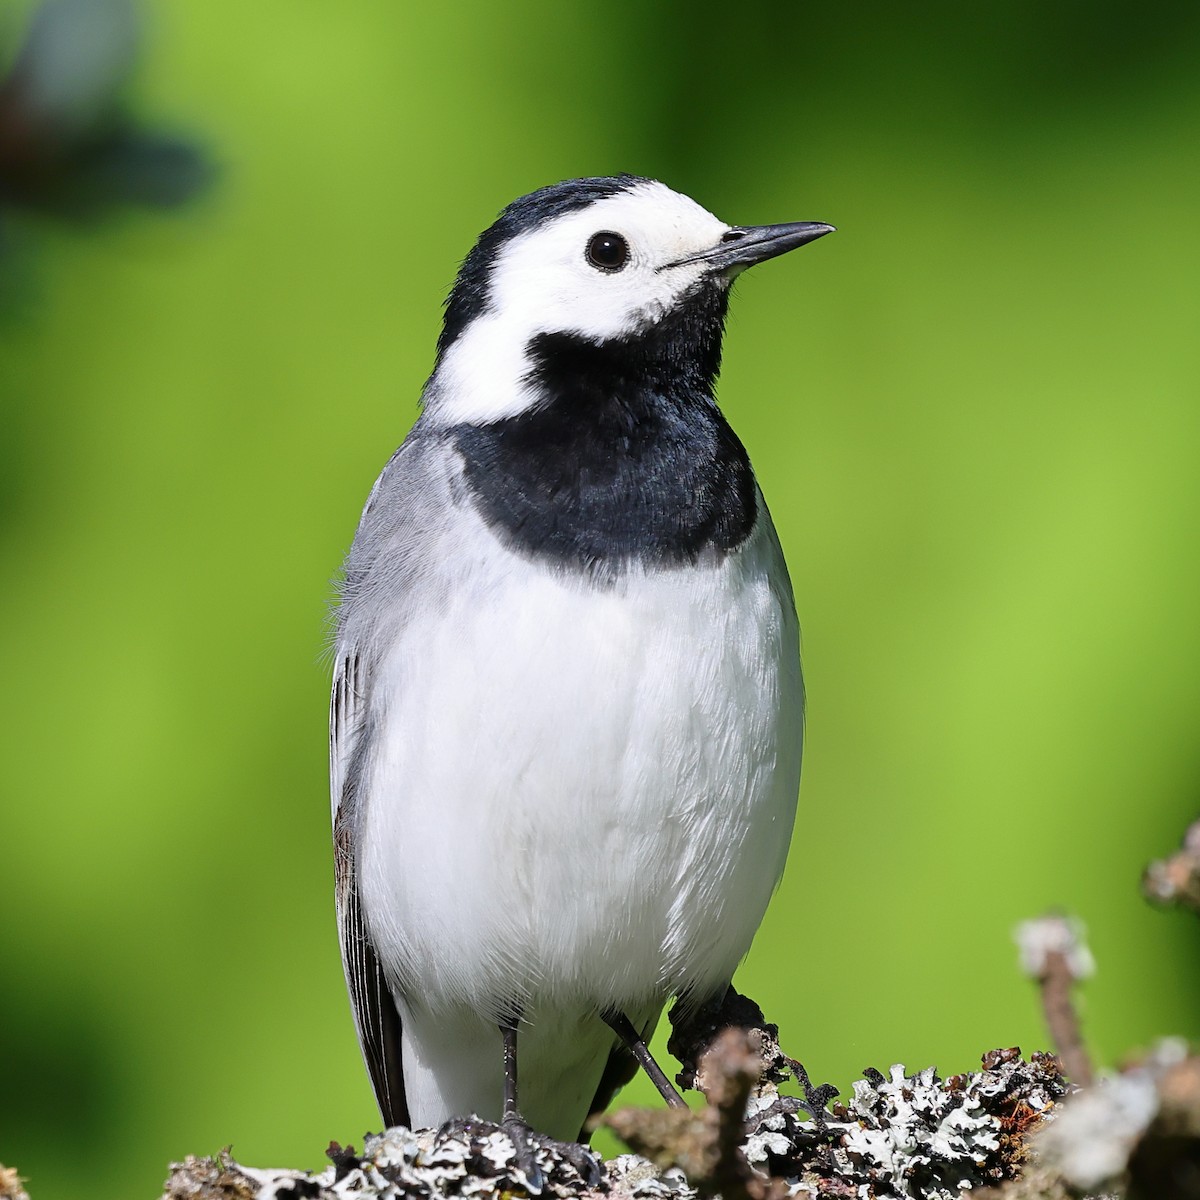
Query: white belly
point(581, 794)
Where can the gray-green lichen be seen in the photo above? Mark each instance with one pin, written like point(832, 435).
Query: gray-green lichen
point(909, 1137)
point(899, 1136)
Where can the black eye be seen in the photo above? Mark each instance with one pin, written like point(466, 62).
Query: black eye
point(608, 251)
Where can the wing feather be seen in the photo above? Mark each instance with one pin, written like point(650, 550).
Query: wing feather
point(376, 1018)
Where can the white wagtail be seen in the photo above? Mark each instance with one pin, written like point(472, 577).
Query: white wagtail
point(567, 708)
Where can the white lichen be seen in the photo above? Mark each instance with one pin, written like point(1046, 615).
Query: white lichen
point(910, 1137)
point(1055, 933)
point(899, 1137)
point(1091, 1141)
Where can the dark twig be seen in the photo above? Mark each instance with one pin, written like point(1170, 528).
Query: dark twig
point(731, 1068)
point(10, 1185)
point(1176, 880)
point(1054, 954)
point(706, 1144)
point(696, 1027)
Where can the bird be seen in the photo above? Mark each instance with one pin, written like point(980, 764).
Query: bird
point(567, 711)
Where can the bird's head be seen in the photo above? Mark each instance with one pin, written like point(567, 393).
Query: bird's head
point(618, 262)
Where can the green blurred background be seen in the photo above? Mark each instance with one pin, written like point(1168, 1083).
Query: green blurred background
point(975, 412)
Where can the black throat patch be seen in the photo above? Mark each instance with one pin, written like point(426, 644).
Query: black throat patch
point(627, 458)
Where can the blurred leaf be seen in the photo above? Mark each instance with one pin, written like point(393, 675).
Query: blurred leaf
point(67, 146)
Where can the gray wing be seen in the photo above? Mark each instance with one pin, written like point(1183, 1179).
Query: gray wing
point(395, 568)
point(375, 1016)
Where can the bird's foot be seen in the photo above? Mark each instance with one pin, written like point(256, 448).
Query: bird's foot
point(529, 1145)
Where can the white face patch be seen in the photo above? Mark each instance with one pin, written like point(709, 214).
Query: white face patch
point(543, 282)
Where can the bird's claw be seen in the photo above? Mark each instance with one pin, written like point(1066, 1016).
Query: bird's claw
point(527, 1142)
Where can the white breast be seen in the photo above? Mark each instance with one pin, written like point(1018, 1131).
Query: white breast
point(581, 795)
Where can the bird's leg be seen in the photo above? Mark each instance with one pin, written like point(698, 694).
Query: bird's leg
point(508, 1031)
point(524, 1139)
point(622, 1026)
point(511, 1121)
